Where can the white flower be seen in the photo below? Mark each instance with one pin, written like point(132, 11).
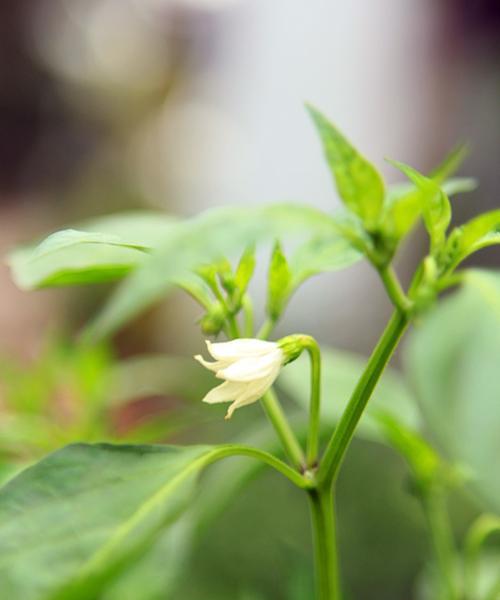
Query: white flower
point(249, 368)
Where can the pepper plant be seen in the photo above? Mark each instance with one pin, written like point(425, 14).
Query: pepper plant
point(89, 512)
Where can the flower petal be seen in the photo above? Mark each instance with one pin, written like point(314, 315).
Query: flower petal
point(243, 400)
point(249, 369)
point(212, 366)
point(226, 392)
point(253, 392)
point(243, 347)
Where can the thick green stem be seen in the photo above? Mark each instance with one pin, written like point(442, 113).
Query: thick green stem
point(394, 290)
point(442, 543)
point(277, 417)
point(325, 547)
point(337, 446)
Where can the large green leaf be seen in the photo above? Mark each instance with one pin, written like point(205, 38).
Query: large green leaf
point(359, 184)
point(72, 521)
point(155, 574)
point(453, 360)
point(340, 374)
point(320, 255)
point(101, 250)
point(217, 232)
point(139, 228)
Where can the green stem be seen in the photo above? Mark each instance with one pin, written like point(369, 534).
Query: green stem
point(434, 504)
point(227, 450)
point(325, 547)
point(394, 290)
point(313, 350)
point(337, 446)
point(277, 417)
point(247, 306)
point(265, 331)
point(234, 329)
point(484, 526)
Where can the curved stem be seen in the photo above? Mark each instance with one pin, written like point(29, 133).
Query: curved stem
point(337, 446)
point(478, 533)
point(313, 350)
point(265, 331)
point(325, 547)
point(277, 417)
point(394, 290)
point(240, 450)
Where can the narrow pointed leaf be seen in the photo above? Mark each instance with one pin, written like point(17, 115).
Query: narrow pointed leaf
point(436, 208)
point(480, 232)
point(450, 164)
point(245, 269)
point(279, 283)
point(404, 202)
point(359, 184)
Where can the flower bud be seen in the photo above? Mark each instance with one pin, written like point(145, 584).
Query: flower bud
point(213, 321)
point(292, 346)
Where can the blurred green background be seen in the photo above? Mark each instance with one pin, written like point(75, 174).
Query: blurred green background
point(181, 105)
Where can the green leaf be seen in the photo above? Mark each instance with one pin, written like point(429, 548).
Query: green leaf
point(424, 462)
point(480, 232)
point(279, 282)
point(404, 201)
point(436, 208)
point(81, 263)
point(359, 184)
point(106, 250)
point(154, 575)
point(320, 255)
point(158, 375)
point(452, 359)
point(196, 288)
point(340, 374)
point(399, 192)
point(459, 185)
point(450, 164)
point(220, 231)
point(147, 229)
point(245, 269)
point(72, 521)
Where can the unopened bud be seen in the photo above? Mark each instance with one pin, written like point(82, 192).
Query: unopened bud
point(213, 321)
point(291, 346)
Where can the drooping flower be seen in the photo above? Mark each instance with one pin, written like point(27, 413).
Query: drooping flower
point(249, 368)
